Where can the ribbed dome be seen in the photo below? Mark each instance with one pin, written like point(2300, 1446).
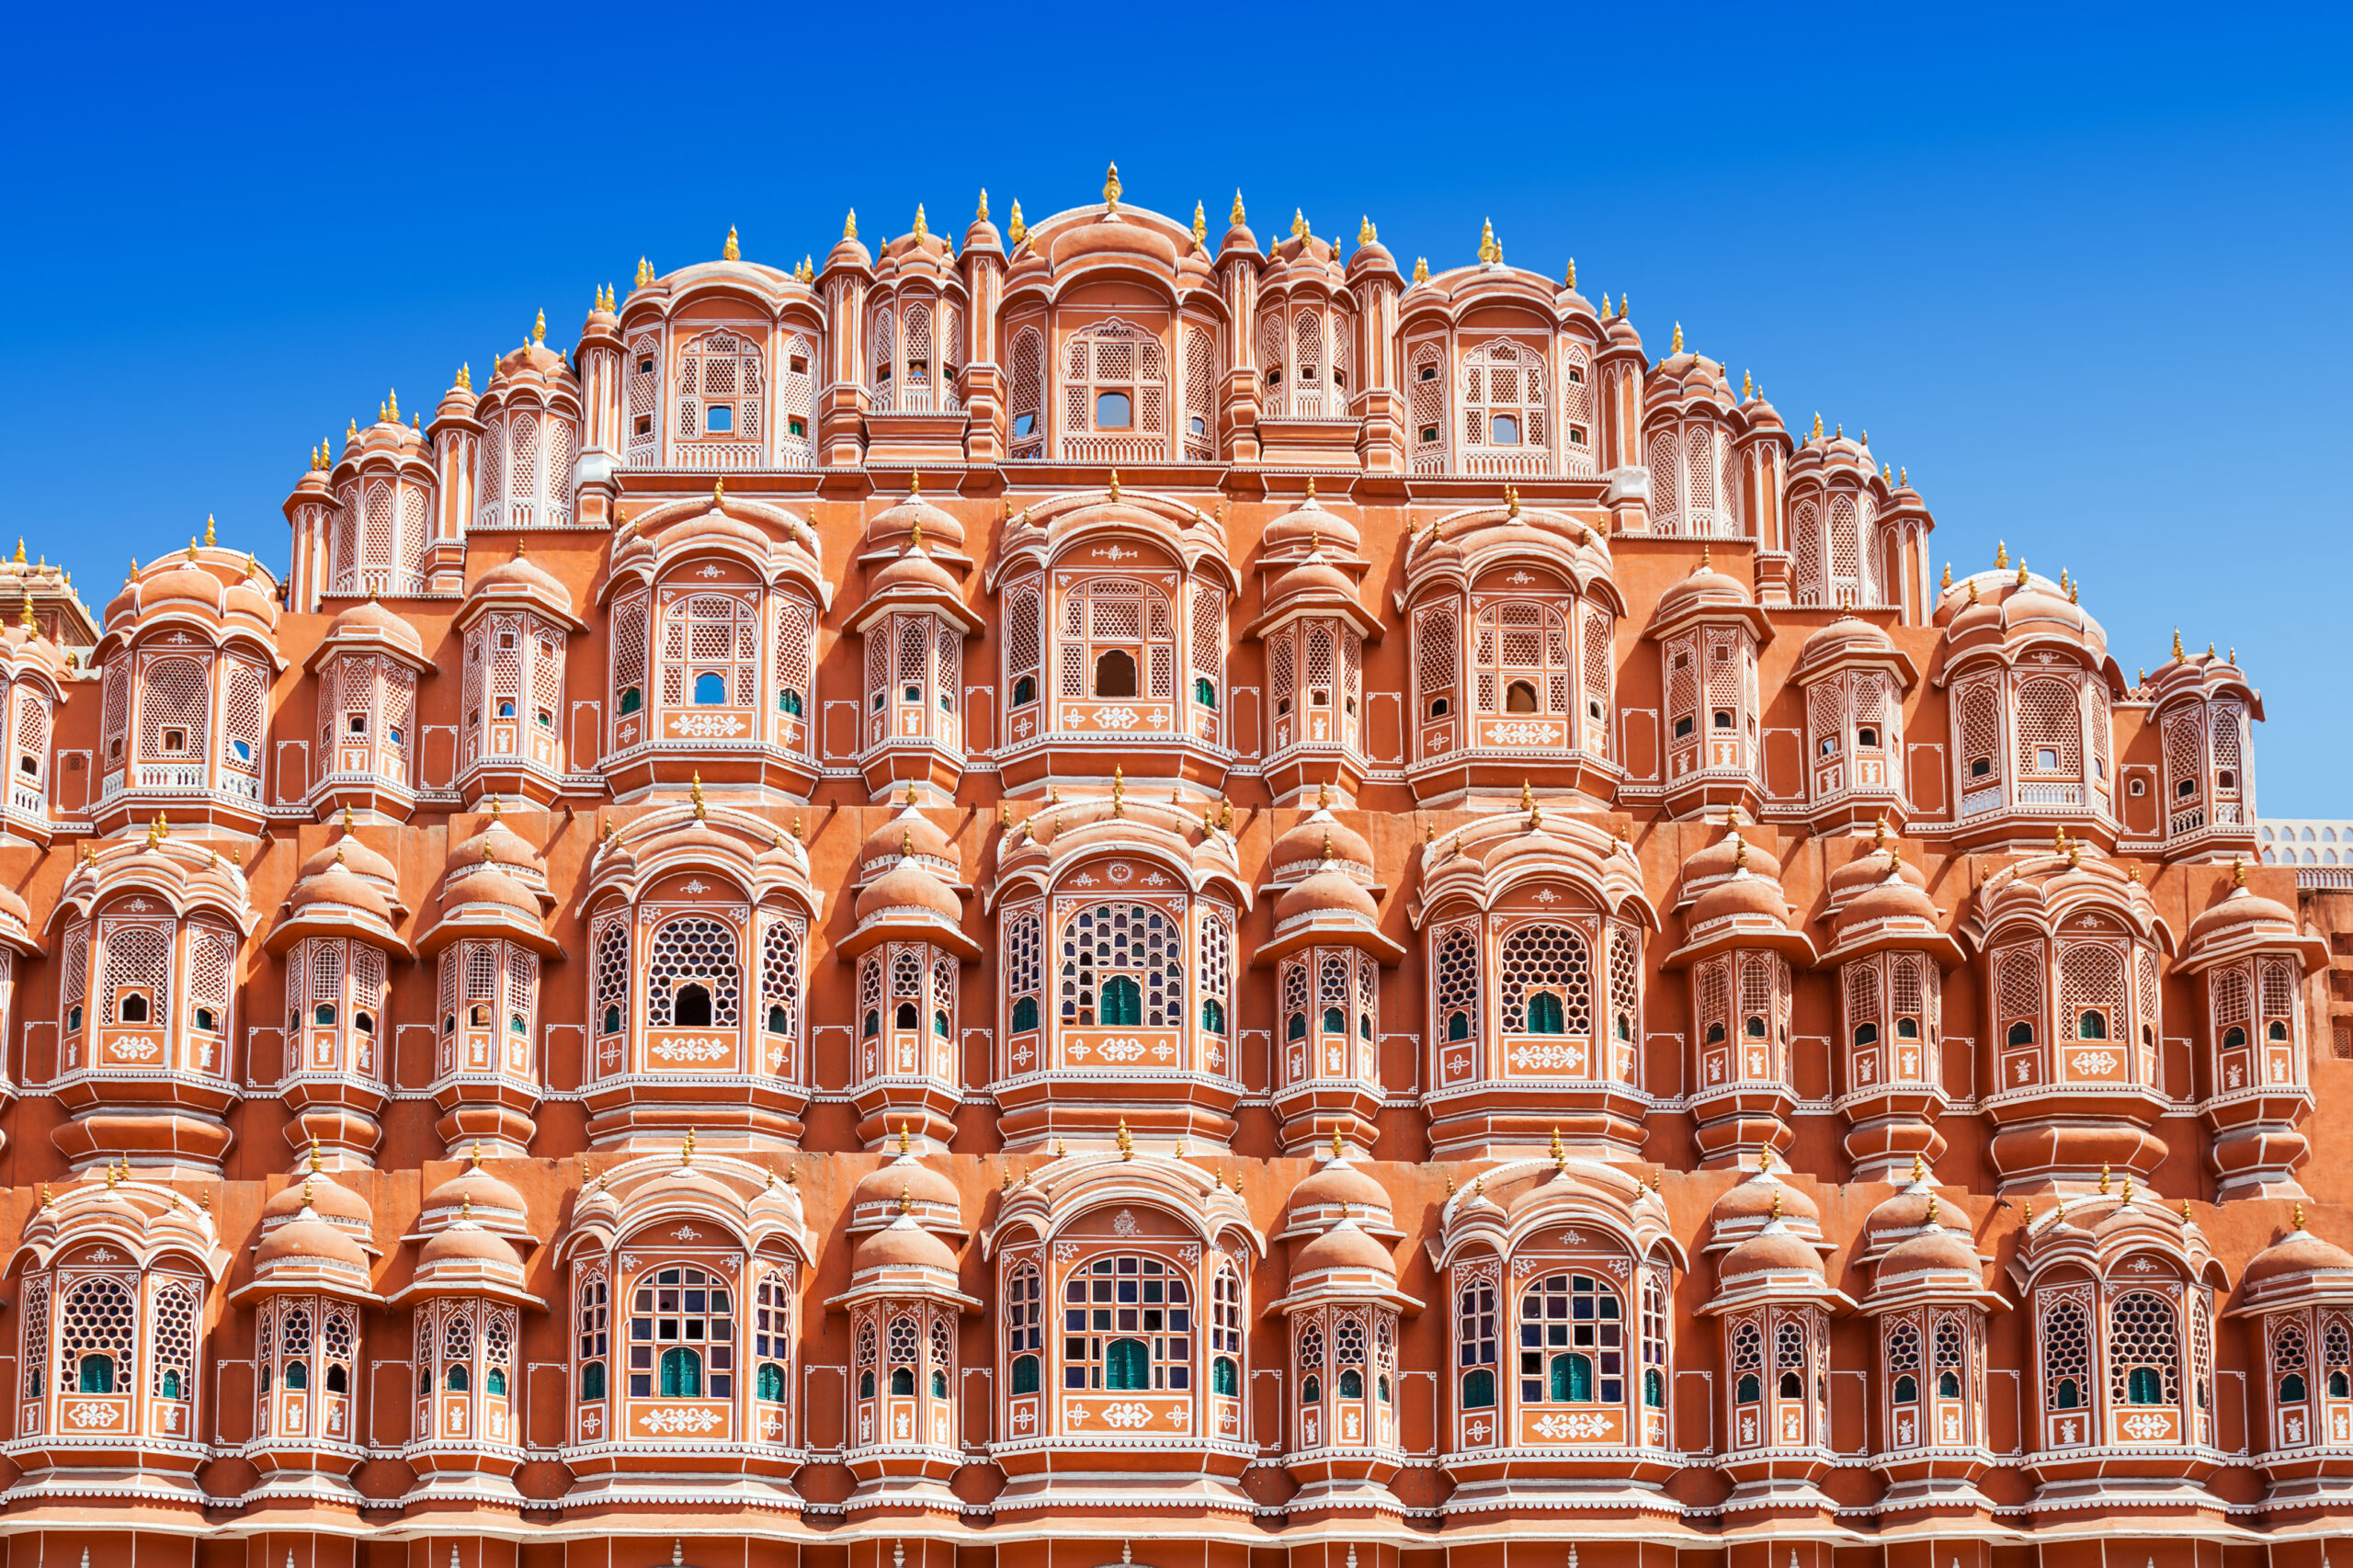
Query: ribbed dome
point(1933, 1251)
point(1776, 1249)
point(1894, 899)
point(909, 885)
point(1719, 858)
point(902, 1243)
point(494, 844)
point(1325, 890)
point(494, 887)
point(1339, 1184)
point(1705, 588)
point(355, 857)
point(914, 572)
point(477, 1188)
point(307, 1236)
point(519, 576)
point(2297, 1251)
point(1345, 1245)
point(1752, 1201)
point(1848, 634)
point(901, 522)
point(1309, 526)
point(1307, 841)
point(1868, 870)
point(467, 1242)
point(372, 623)
point(905, 1178)
point(1741, 895)
point(908, 832)
point(2238, 910)
point(337, 886)
point(326, 1198)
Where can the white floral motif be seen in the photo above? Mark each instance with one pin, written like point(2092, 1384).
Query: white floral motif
point(89, 1412)
point(1155, 881)
point(103, 1254)
point(1116, 718)
point(687, 1233)
point(1120, 871)
point(2093, 1062)
point(2147, 1427)
point(690, 1050)
point(671, 1420)
point(139, 906)
point(1124, 1222)
point(141, 1048)
point(1525, 734)
point(709, 726)
point(1585, 1426)
point(1128, 1414)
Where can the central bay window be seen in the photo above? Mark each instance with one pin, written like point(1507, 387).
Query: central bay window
point(1114, 394)
point(1128, 1326)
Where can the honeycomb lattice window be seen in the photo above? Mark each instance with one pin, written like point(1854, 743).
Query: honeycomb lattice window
point(135, 958)
point(1523, 659)
point(1503, 396)
point(97, 1317)
point(2051, 736)
point(1115, 955)
point(692, 950)
point(2143, 1333)
point(1456, 994)
point(1554, 962)
point(609, 949)
point(780, 974)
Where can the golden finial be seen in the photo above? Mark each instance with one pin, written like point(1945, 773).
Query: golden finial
point(2209, 653)
point(923, 229)
point(731, 251)
point(1115, 485)
point(112, 1177)
point(1740, 855)
point(1559, 1153)
point(158, 831)
point(1118, 790)
point(645, 273)
point(1297, 223)
point(1127, 1145)
point(1817, 425)
point(191, 547)
point(906, 1139)
point(1527, 796)
point(2103, 1180)
point(1225, 813)
point(2021, 579)
point(1235, 217)
point(1764, 1160)
point(1339, 1150)
point(25, 616)
point(696, 786)
point(1569, 280)
point(1776, 1204)
point(1604, 304)
point(1625, 303)
point(1366, 233)
point(1707, 557)
point(849, 225)
point(540, 328)
point(2028, 1222)
point(2001, 555)
point(686, 1154)
point(2128, 1186)
point(1973, 590)
point(2238, 872)
point(1511, 500)
point(1421, 270)
point(1007, 1186)
point(1112, 189)
point(2297, 1222)
point(1677, 347)
point(1490, 253)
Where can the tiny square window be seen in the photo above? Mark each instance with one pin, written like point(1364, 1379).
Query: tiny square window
point(1503, 431)
point(506, 707)
point(2046, 758)
point(1025, 424)
point(356, 724)
point(719, 418)
point(1198, 426)
point(176, 740)
point(1575, 374)
point(798, 427)
point(1429, 434)
point(546, 718)
point(800, 363)
point(506, 640)
point(1429, 373)
point(1576, 436)
point(2138, 788)
point(645, 366)
point(1114, 412)
point(1866, 735)
point(645, 424)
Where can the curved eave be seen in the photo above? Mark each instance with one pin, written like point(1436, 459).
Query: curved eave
point(383, 647)
point(336, 920)
point(1367, 626)
point(2331, 1288)
point(907, 924)
point(948, 607)
point(39, 1252)
point(217, 635)
point(1759, 624)
point(1203, 1211)
point(1332, 928)
point(479, 1287)
point(1785, 1290)
point(1944, 1292)
point(84, 899)
point(1737, 934)
point(1892, 659)
point(906, 1285)
point(1341, 1287)
point(489, 920)
point(480, 603)
point(2251, 942)
point(307, 1282)
point(1947, 952)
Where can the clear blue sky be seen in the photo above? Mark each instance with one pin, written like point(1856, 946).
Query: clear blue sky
point(2082, 271)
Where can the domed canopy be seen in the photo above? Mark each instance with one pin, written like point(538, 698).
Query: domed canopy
point(1345, 1248)
point(369, 626)
point(1746, 909)
point(1308, 528)
point(308, 1254)
point(1316, 837)
point(519, 583)
point(909, 831)
point(2243, 922)
point(2298, 1269)
point(1711, 863)
point(909, 903)
point(906, 1183)
point(1336, 1190)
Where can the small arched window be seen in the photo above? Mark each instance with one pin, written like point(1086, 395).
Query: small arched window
point(1115, 674)
point(681, 1374)
point(690, 1007)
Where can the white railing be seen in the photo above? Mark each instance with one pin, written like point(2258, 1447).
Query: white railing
point(1114, 448)
point(26, 799)
point(719, 454)
point(173, 776)
point(242, 785)
point(1981, 801)
point(1507, 464)
point(112, 785)
point(2186, 822)
point(2051, 794)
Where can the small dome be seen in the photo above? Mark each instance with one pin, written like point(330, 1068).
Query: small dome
point(1742, 896)
point(476, 1189)
point(1752, 1202)
point(902, 1243)
point(1345, 1245)
point(306, 1237)
point(1705, 588)
point(2237, 910)
point(2298, 1252)
point(1894, 901)
point(1311, 579)
point(909, 1179)
point(1307, 843)
point(1934, 1251)
point(14, 908)
point(372, 623)
point(900, 520)
point(1868, 870)
point(909, 885)
point(1309, 526)
point(1325, 890)
point(1776, 1249)
point(913, 573)
point(1713, 862)
point(466, 1241)
point(1339, 1184)
point(326, 1198)
point(337, 887)
point(357, 858)
point(494, 887)
point(495, 844)
point(908, 833)
point(181, 583)
point(520, 577)
point(1848, 633)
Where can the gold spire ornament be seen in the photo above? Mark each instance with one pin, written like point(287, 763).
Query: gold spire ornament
point(849, 225)
point(731, 251)
point(1111, 189)
point(540, 328)
point(981, 213)
point(1490, 253)
point(697, 787)
point(645, 273)
point(923, 229)
point(1421, 270)
point(1570, 281)
point(1299, 224)
point(1127, 1145)
point(1677, 347)
point(1235, 217)
point(1366, 233)
point(1200, 227)
point(1747, 387)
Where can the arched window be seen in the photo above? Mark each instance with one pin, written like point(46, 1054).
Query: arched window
point(693, 957)
point(1134, 949)
point(1522, 659)
point(1572, 1341)
point(681, 1307)
point(1026, 402)
point(1115, 674)
point(1118, 638)
point(1546, 983)
point(2143, 1349)
point(1114, 371)
point(1024, 1327)
point(1138, 1314)
point(1503, 405)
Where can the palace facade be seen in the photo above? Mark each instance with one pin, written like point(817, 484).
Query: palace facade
point(1116, 894)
